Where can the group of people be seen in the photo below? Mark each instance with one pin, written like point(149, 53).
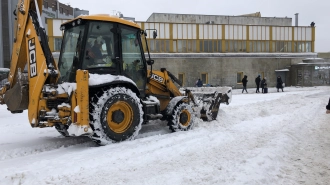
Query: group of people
point(263, 84)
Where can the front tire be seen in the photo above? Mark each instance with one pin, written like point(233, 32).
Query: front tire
point(116, 116)
point(182, 118)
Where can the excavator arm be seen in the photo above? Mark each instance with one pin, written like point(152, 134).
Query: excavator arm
point(30, 51)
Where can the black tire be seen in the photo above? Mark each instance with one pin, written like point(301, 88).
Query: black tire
point(116, 116)
point(182, 118)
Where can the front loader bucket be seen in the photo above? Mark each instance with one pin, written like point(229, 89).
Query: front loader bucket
point(207, 100)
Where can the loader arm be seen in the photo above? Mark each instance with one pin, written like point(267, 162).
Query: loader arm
point(205, 100)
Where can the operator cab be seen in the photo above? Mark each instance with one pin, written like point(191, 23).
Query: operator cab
point(102, 45)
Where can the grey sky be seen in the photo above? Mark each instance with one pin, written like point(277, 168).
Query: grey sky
point(317, 11)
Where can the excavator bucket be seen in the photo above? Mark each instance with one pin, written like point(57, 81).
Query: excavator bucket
point(207, 100)
point(17, 98)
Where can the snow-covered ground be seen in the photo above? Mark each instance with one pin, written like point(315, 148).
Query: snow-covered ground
point(274, 138)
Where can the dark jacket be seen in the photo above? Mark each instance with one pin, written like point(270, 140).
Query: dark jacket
point(328, 106)
point(263, 83)
point(258, 79)
point(279, 83)
point(199, 83)
point(244, 80)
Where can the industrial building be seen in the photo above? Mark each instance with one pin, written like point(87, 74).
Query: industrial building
point(222, 49)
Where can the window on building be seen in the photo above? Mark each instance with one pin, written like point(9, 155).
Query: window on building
point(54, 6)
point(167, 42)
point(174, 46)
point(282, 46)
point(219, 46)
point(204, 78)
point(191, 46)
point(308, 46)
point(182, 46)
point(151, 45)
point(157, 45)
point(206, 46)
point(57, 44)
point(181, 78)
point(45, 4)
point(61, 10)
point(235, 46)
point(239, 77)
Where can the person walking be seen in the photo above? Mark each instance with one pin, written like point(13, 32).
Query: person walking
point(244, 81)
point(328, 107)
point(263, 84)
point(279, 84)
point(257, 80)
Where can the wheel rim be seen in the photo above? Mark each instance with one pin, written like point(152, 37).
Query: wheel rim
point(185, 118)
point(120, 117)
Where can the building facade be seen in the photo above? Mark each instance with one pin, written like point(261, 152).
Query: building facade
point(182, 33)
point(222, 49)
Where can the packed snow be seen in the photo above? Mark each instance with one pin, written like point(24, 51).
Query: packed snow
point(97, 79)
point(273, 138)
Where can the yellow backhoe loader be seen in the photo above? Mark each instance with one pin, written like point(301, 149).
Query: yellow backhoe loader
point(101, 86)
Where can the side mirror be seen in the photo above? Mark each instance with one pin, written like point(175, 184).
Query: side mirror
point(150, 62)
point(154, 34)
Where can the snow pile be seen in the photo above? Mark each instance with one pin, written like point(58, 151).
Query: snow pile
point(78, 130)
point(65, 88)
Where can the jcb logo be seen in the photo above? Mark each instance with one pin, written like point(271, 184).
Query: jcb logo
point(157, 78)
point(32, 57)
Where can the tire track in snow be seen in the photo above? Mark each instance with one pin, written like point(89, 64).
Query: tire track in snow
point(42, 145)
point(47, 144)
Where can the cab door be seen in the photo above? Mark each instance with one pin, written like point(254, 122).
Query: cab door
point(132, 56)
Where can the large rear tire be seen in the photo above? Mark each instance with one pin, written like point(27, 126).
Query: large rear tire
point(116, 116)
point(182, 118)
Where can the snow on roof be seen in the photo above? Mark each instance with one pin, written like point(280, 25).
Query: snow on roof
point(4, 69)
point(314, 59)
point(282, 70)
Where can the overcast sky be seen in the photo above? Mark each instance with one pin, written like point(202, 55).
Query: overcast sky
point(317, 11)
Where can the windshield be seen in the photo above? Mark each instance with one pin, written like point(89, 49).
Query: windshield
point(70, 50)
point(99, 48)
